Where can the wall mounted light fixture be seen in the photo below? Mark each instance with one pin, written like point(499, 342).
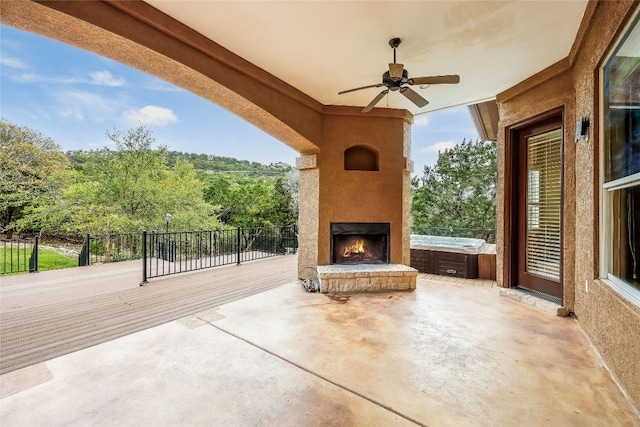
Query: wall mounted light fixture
point(582, 128)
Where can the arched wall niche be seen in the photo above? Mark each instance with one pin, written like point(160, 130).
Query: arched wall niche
point(361, 158)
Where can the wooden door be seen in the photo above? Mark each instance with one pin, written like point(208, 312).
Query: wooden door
point(539, 259)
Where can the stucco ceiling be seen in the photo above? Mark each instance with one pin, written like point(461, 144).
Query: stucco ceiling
point(324, 47)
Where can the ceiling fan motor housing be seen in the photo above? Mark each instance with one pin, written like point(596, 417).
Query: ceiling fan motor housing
point(394, 83)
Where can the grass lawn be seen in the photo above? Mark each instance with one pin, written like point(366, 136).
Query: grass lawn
point(47, 260)
point(52, 260)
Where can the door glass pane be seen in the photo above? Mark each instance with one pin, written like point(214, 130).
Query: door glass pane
point(544, 204)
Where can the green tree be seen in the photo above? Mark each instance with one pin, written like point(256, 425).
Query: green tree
point(459, 190)
point(218, 193)
point(27, 161)
point(252, 202)
point(291, 185)
point(184, 199)
point(126, 190)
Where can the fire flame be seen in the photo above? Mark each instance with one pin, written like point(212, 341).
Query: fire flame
point(355, 249)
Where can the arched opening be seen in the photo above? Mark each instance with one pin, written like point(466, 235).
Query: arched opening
point(361, 158)
point(137, 35)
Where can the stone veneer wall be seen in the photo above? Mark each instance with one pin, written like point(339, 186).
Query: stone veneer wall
point(611, 321)
point(308, 208)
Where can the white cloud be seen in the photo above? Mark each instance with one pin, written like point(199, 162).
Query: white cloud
point(438, 147)
point(81, 105)
point(25, 77)
point(11, 62)
point(421, 121)
point(150, 115)
point(37, 78)
point(104, 78)
point(159, 85)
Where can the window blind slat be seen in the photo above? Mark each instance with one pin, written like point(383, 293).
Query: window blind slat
point(544, 198)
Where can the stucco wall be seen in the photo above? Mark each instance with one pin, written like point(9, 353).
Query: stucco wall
point(363, 196)
point(549, 95)
point(612, 323)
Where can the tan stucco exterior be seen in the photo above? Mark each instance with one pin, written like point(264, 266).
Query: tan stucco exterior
point(138, 35)
point(611, 321)
point(363, 196)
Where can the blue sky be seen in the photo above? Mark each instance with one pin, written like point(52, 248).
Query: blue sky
point(75, 97)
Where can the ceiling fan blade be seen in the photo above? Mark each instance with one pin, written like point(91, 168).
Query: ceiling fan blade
point(375, 101)
point(435, 80)
point(413, 96)
point(360, 88)
point(395, 70)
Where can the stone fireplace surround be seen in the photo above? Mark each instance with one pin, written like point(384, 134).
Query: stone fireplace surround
point(372, 273)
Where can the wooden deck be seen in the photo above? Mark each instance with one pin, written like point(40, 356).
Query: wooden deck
point(49, 314)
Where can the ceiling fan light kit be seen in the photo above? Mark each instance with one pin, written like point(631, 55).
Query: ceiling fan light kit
point(397, 79)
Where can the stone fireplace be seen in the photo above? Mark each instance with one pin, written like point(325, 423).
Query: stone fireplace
point(355, 198)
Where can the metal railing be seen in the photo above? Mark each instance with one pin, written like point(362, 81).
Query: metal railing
point(104, 248)
point(179, 252)
point(19, 255)
point(488, 234)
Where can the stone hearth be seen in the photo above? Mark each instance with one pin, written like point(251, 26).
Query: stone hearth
point(366, 278)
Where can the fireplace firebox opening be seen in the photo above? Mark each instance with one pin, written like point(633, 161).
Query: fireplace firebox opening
point(360, 242)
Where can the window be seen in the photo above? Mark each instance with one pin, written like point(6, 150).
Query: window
point(621, 165)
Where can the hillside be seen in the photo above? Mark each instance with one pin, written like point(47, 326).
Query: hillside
point(206, 163)
point(212, 163)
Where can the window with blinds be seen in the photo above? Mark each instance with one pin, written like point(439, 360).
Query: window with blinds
point(543, 208)
point(620, 139)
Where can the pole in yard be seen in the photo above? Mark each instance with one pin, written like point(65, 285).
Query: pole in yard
point(167, 218)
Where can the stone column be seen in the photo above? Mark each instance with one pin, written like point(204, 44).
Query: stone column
point(406, 195)
point(308, 212)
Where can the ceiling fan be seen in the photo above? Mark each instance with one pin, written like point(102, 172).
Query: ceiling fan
point(397, 79)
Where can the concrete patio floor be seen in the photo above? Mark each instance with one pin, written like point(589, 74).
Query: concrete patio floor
point(447, 354)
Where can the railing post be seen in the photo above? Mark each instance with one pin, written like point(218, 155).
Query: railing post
point(33, 259)
point(87, 243)
point(83, 257)
point(144, 259)
point(238, 244)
